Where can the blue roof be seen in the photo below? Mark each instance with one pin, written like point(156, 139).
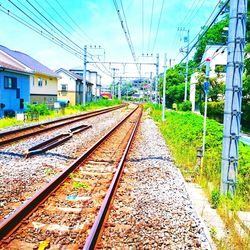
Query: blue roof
point(28, 61)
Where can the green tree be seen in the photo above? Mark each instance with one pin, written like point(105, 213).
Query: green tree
point(215, 35)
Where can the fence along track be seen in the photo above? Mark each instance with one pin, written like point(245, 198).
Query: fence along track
point(13, 222)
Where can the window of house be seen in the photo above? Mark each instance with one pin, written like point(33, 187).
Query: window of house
point(18, 93)
point(64, 87)
point(46, 82)
point(40, 82)
point(10, 82)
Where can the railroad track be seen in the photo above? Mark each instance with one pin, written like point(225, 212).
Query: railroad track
point(18, 134)
point(77, 200)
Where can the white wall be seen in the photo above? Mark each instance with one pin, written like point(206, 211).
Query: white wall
point(66, 79)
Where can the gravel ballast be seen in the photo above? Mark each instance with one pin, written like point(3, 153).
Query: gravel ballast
point(152, 209)
point(20, 177)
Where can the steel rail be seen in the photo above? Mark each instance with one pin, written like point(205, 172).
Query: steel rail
point(55, 141)
point(11, 223)
point(42, 127)
point(98, 226)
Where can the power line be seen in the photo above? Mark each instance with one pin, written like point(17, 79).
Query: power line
point(208, 19)
point(126, 32)
point(45, 33)
point(205, 31)
point(74, 22)
point(142, 26)
point(52, 18)
point(188, 13)
point(32, 19)
point(195, 13)
point(70, 40)
point(151, 20)
point(159, 21)
point(40, 32)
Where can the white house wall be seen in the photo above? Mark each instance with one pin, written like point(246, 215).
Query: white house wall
point(66, 79)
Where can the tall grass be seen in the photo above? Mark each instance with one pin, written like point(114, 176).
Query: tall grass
point(183, 134)
point(46, 114)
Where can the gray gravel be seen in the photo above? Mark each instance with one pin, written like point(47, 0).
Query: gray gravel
point(20, 178)
point(152, 209)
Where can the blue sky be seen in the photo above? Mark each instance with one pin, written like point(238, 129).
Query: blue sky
point(99, 20)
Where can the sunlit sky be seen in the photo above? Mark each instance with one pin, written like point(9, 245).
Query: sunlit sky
point(98, 20)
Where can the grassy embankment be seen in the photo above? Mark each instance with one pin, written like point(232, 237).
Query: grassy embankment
point(183, 134)
point(45, 114)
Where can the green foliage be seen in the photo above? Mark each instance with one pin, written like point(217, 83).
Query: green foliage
point(7, 122)
point(213, 36)
point(41, 109)
point(185, 106)
point(78, 185)
point(216, 88)
point(215, 198)
point(183, 133)
point(215, 110)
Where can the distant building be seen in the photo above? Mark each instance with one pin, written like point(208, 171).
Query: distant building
point(218, 61)
point(70, 87)
point(89, 81)
point(43, 81)
point(14, 88)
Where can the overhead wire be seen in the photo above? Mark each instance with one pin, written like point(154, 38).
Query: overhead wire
point(205, 31)
point(40, 32)
point(40, 29)
point(126, 32)
point(142, 14)
point(61, 17)
point(150, 26)
point(74, 22)
point(195, 14)
point(188, 13)
point(158, 25)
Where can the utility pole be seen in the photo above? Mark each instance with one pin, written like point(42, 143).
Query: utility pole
point(119, 89)
point(206, 89)
point(164, 88)
point(157, 77)
point(113, 84)
point(84, 76)
point(233, 95)
point(186, 39)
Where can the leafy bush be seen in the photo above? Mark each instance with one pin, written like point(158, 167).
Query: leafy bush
point(183, 133)
point(215, 198)
point(41, 109)
point(215, 110)
point(245, 118)
point(185, 106)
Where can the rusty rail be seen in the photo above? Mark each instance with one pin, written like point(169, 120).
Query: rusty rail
point(40, 128)
point(10, 224)
point(55, 141)
point(97, 228)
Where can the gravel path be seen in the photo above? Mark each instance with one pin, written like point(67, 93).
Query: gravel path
point(20, 178)
point(152, 209)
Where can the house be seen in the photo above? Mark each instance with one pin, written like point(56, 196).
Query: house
point(70, 87)
point(218, 62)
point(89, 84)
point(218, 59)
point(98, 86)
point(14, 88)
point(43, 81)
